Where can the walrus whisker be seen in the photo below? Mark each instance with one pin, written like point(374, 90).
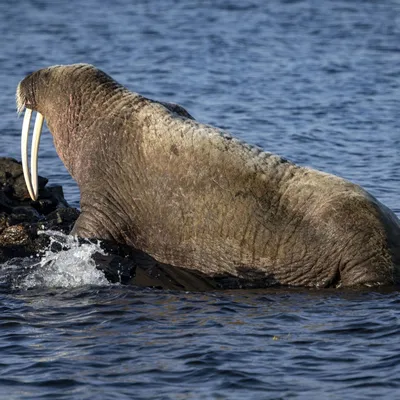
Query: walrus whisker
point(24, 150)
point(20, 100)
point(37, 131)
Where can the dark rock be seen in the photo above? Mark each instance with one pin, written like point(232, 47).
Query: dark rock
point(15, 235)
point(12, 179)
point(21, 218)
point(5, 202)
point(22, 214)
point(62, 219)
point(3, 221)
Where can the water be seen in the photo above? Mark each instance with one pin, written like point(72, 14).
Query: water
point(315, 81)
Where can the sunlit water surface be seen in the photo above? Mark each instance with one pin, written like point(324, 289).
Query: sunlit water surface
point(314, 81)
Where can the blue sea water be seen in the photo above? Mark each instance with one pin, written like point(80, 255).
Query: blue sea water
point(317, 82)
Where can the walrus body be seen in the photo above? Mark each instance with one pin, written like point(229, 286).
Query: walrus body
point(191, 196)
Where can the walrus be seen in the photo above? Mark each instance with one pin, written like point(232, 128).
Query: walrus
point(192, 196)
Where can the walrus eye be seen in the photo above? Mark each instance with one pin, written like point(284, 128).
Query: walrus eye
point(31, 180)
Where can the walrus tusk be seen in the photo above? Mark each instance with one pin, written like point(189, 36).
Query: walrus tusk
point(31, 180)
point(24, 150)
point(37, 131)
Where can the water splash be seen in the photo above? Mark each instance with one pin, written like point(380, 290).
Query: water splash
point(71, 267)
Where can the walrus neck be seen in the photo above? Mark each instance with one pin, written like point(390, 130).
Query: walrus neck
point(89, 123)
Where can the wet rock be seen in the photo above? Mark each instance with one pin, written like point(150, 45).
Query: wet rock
point(62, 219)
point(21, 218)
point(5, 202)
point(12, 180)
point(3, 221)
point(22, 214)
point(15, 235)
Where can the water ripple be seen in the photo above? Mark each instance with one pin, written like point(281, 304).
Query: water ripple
point(316, 82)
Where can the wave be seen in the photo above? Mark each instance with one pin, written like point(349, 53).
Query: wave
point(66, 263)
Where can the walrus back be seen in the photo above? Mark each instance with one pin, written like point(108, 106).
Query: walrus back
point(222, 207)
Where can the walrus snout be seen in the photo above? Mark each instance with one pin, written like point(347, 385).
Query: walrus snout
point(26, 99)
point(36, 93)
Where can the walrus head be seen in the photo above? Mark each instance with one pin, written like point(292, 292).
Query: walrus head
point(61, 95)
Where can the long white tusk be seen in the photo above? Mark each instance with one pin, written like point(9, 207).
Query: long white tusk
point(24, 150)
point(37, 131)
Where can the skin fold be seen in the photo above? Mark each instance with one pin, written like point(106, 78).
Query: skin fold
point(192, 196)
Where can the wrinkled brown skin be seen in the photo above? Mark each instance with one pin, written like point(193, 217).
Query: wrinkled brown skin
point(191, 196)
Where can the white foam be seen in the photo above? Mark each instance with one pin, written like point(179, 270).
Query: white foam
point(69, 268)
